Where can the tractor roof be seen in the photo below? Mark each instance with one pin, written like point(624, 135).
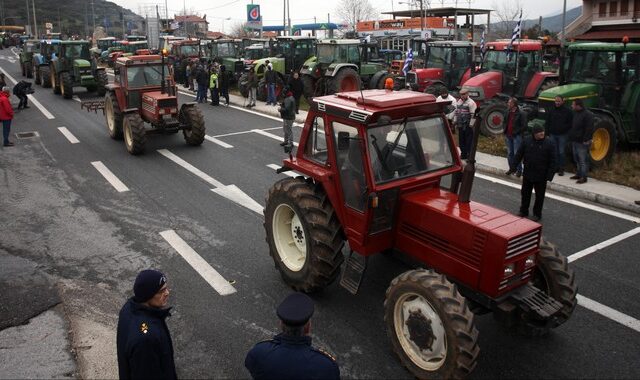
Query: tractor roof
point(136, 60)
point(51, 42)
point(140, 42)
point(74, 42)
point(294, 38)
point(339, 42)
point(107, 39)
point(518, 45)
point(604, 46)
point(451, 43)
point(187, 42)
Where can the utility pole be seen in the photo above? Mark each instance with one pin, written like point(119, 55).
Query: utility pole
point(284, 17)
point(564, 15)
point(421, 16)
point(35, 22)
point(28, 17)
point(86, 21)
point(124, 28)
point(166, 13)
point(59, 21)
point(93, 14)
point(288, 18)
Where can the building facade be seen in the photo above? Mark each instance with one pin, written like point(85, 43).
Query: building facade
point(606, 20)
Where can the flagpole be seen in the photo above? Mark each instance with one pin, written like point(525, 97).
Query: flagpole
point(518, 51)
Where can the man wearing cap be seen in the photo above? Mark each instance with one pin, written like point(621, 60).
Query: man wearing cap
point(289, 355)
point(288, 113)
point(539, 155)
point(144, 344)
point(450, 110)
point(465, 109)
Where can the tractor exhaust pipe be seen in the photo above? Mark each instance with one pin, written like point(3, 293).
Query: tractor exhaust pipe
point(163, 84)
point(469, 171)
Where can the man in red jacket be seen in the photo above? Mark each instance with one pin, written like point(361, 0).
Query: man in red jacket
point(6, 115)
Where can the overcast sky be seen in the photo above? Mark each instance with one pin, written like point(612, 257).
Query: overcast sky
point(230, 12)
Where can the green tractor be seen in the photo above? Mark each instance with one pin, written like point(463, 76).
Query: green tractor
point(73, 67)
point(606, 76)
point(343, 65)
point(26, 57)
point(102, 44)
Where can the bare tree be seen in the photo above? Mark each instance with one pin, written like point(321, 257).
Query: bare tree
point(240, 30)
point(352, 11)
point(507, 12)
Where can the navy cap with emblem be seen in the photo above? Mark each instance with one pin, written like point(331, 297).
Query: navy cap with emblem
point(296, 309)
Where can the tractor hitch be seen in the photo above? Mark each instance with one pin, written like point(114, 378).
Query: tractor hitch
point(92, 105)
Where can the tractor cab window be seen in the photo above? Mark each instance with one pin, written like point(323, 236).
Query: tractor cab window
point(407, 148)
point(226, 49)
point(593, 67)
point(316, 147)
point(190, 50)
point(439, 57)
point(142, 76)
point(354, 54)
point(630, 65)
point(349, 161)
point(76, 51)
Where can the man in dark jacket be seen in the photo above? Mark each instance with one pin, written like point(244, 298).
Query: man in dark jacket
point(252, 84)
point(297, 88)
point(223, 84)
point(288, 113)
point(289, 355)
point(515, 123)
point(271, 78)
point(144, 344)
point(557, 125)
point(539, 167)
point(202, 77)
point(581, 135)
point(21, 90)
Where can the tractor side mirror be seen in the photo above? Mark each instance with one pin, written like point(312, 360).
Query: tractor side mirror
point(343, 141)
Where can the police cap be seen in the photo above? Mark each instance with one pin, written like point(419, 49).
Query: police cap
point(296, 309)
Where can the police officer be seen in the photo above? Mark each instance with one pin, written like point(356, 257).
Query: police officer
point(465, 109)
point(289, 355)
point(144, 344)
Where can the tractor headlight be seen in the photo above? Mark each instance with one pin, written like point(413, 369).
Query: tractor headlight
point(530, 261)
point(541, 110)
point(509, 269)
point(474, 94)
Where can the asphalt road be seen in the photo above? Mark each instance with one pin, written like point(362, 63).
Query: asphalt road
point(211, 332)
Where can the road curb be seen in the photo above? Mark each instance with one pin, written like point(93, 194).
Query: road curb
point(577, 193)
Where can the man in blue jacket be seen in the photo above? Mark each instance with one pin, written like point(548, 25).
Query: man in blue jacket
point(144, 344)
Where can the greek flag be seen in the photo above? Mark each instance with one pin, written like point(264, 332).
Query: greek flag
point(482, 47)
point(514, 36)
point(407, 62)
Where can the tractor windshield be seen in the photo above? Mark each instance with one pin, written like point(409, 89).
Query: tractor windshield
point(496, 60)
point(593, 67)
point(189, 50)
point(77, 51)
point(438, 57)
point(338, 53)
point(144, 76)
point(104, 44)
point(132, 48)
point(408, 148)
point(227, 49)
point(253, 54)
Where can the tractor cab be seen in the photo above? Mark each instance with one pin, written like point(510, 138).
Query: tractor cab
point(164, 42)
point(73, 50)
point(190, 49)
point(447, 64)
point(136, 38)
point(136, 75)
point(294, 50)
point(105, 43)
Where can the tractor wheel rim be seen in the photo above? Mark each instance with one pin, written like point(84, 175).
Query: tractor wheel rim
point(128, 138)
point(601, 142)
point(348, 84)
point(420, 331)
point(494, 120)
point(62, 88)
point(109, 111)
point(289, 237)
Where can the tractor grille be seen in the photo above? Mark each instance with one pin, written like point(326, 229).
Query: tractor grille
point(166, 103)
point(522, 244)
point(412, 78)
point(515, 279)
point(471, 258)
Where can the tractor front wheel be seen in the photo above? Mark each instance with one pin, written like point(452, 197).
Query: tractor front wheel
point(113, 116)
point(493, 118)
point(308, 87)
point(134, 133)
point(304, 235)
point(347, 79)
point(101, 81)
point(553, 276)
point(430, 326)
point(192, 117)
point(66, 85)
point(604, 141)
point(45, 75)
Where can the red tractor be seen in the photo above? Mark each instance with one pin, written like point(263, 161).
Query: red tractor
point(380, 171)
point(144, 91)
point(515, 71)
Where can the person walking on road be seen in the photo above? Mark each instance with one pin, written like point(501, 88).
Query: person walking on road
point(144, 346)
point(252, 84)
point(288, 113)
point(557, 125)
point(6, 115)
point(223, 84)
point(581, 135)
point(297, 88)
point(515, 123)
point(270, 78)
point(21, 90)
point(213, 87)
point(289, 355)
point(465, 109)
point(202, 78)
point(539, 155)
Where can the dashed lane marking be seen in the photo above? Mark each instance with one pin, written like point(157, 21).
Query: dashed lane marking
point(604, 244)
point(110, 177)
point(66, 133)
point(35, 101)
point(608, 312)
point(192, 169)
point(210, 275)
point(219, 142)
point(270, 135)
point(76, 98)
point(289, 173)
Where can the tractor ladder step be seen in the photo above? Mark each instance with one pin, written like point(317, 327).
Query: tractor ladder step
point(353, 272)
point(534, 300)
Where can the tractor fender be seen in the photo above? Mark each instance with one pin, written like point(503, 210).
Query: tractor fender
point(332, 71)
point(536, 82)
point(187, 105)
point(130, 110)
point(615, 119)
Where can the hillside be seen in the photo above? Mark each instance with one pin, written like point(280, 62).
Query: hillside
point(552, 23)
point(69, 16)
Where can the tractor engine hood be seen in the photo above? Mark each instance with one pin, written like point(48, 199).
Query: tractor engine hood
point(159, 100)
point(81, 63)
point(428, 75)
point(484, 86)
point(571, 91)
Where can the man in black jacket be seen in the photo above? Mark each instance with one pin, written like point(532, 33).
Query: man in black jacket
point(581, 135)
point(144, 344)
point(515, 123)
point(297, 88)
point(539, 167)
point(557, 125)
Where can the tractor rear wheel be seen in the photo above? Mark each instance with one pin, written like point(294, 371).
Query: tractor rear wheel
point(243, 85)
point(383, 80)
point(113, 115)
point(134, 133)
point(66, 85)
point(55, 82)
point(347, 79)
point(101, 81)
point(493, 118)
point(29, 70)
point(304, 236)
point(45, 75)
point(604, 141)
point(309, 87)
point(36, 73)
point(430, 326)
point(193, 117)
point(435, 89)
point(375, 80)
point(553, 276)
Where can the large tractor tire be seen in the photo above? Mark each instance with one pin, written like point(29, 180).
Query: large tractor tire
point(347, 79)
point(45, 75)
point(435, 89)
point(430, 326)
point(29, 70)
point(37, 75)
point(261, 93)
point(383, 80)
point(55, 82)
point(309, 87)
point(113, 115)
point(375, 79)
point(243, 85)
point(134, 134)
point(304, 235)
point(604, 141)
point(193, 117)
point(66, 85)
point(23, 68)
point(554, 277)
point(102, 80)
point(493, 118)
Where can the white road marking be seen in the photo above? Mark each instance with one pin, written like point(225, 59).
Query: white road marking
point(219, 142)
point(245, 132)
point(110, 177)
point(565, 199)
point(35, 101)
point(604, 244)
point(192, 169)
point(203, 268)
point(14, 52)
point(76, 98)
point(290, 173)
point(608, 312)
point(72, 139)
point(270, 135)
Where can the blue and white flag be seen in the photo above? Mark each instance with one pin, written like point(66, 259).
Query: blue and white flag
point(482, 47)
point(407, 62)
point(515, 35)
